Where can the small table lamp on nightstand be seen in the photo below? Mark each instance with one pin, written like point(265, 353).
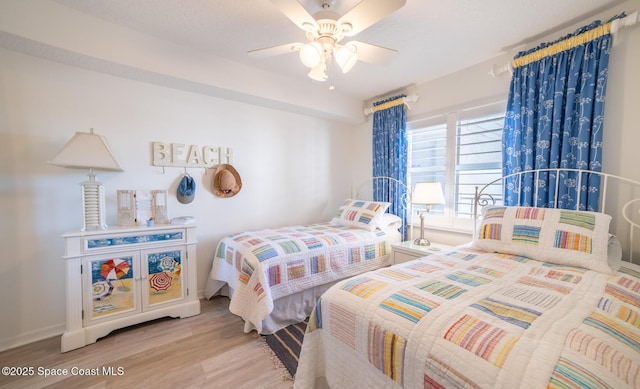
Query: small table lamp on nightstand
point(427, 193)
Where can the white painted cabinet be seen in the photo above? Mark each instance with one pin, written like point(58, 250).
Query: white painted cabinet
point(124, 276)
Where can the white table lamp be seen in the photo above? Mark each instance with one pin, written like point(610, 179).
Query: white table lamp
point(427, 193)
point(89, 151)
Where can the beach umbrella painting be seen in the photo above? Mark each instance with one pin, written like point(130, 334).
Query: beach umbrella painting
point(101, 289)
point(114, 269)
point(168, 264)
point(160, 281)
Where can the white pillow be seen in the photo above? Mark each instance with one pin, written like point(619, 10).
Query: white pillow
point(565, 237)
point(360, 214)
point(389, 221)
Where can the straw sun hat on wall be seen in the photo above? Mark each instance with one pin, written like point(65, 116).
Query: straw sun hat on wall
point(226, 181)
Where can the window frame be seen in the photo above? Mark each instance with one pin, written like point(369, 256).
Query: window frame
point(451, 118)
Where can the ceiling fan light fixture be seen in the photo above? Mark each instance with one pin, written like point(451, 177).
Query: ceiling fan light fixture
point(346, 57)
point(311, 54)
point(324, 31)
point(319, 73)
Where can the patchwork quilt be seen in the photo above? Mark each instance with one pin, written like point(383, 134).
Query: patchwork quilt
point(262, 266)
point(473, 319)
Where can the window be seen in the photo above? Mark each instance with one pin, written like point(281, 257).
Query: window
point(462, 151)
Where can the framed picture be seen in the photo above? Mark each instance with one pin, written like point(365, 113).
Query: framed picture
point(136, 207)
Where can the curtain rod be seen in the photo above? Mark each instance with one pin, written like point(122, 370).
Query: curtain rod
point(627, 21)
point(404, 90)
point(405, 100)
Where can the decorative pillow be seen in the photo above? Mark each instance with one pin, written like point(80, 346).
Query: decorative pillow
point(360, 214)
point(565, 237)
point(389, 221)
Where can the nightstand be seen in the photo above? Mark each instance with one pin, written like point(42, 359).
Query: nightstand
point(408, 251)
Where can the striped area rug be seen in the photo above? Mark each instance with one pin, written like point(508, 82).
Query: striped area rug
point(286, 344)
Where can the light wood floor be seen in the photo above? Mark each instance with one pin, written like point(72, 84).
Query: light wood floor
point(205, 351)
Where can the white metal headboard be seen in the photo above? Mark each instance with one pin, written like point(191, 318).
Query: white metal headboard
point(614, 190)
point(364, 191)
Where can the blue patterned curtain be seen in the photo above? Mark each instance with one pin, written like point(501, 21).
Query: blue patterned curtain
point(390, 153)
point(554, 119)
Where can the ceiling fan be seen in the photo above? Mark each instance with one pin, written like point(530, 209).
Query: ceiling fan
point(325, 30)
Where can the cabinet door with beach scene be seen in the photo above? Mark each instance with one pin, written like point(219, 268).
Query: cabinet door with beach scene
point(164, 276)
point(111, 286)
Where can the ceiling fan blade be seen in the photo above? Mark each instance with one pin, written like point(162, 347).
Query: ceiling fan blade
point(296, 12)
point(368, 12)
point(374, 54)
point(275, 50)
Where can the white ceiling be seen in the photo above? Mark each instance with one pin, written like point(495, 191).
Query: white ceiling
point(433, 37)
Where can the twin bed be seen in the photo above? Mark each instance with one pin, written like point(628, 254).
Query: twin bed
point(275, 276)
point(537, 299)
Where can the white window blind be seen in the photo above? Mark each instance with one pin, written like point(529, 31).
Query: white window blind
point(478, 160)
point(461, 150)
point(427, 157)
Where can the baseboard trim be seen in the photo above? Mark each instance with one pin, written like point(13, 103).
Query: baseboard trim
point(32, 336)
point(44, 333)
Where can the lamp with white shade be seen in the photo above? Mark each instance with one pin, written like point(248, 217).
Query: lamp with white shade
point(89, 151)
point(428, 194)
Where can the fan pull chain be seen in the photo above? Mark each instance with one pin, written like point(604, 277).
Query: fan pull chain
point(330, 70)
